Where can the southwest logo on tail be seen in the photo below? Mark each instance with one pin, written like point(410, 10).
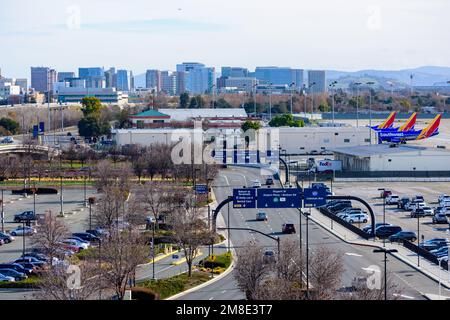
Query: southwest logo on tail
point(402, 136)
point(407, 126)
point(388, 123)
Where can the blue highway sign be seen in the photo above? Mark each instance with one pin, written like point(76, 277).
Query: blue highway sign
point(201, 189)
point(244, 198)
point(315, 197)
point(279, 198)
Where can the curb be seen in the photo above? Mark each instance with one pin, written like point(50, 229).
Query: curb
point(205, 284)
point(398, 256)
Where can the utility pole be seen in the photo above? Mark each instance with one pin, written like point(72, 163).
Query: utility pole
point(370, 83)
point(357, 103)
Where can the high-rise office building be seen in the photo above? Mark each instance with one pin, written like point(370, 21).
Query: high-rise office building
point(23, 84)
point(123, 83)
point(153, 80)
point(62, 76)
point(168, 82)
point(181, 82)
point(319, 78)
point(234, 72)
point(109, 78)
point(279, 76)
point(188, 66)
point(43, 78)
point(94, 76)
point(131, 81)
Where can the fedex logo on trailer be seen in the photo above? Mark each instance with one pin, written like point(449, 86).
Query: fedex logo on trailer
point(325, 165)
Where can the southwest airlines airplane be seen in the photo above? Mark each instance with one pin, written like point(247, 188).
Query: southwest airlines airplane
point(386, 126)
point(402, 136)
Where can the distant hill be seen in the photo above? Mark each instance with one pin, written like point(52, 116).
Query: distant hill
point(422, 76)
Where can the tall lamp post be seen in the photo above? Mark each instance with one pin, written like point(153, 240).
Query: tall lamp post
point(270, 101)
point(332, 85)
point(370, 83)
point(91, 202)
point(311, 85)
point(304, 97)
point(357, 103)
point(291, 86)
point(307, 214)
point(3, 214)
point(385, 251)
point(254, 97)
point(384, 213)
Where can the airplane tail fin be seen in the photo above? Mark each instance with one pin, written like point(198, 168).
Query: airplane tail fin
point(409, 124)
point(389, 122)
point(432, 129)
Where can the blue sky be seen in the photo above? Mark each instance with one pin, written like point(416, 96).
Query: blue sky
point(142, 34)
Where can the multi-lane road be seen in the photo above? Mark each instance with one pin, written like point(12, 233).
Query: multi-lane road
point(357, 259)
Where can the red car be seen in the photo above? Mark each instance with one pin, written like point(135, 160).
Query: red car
point(70, 247)
point(385, 193)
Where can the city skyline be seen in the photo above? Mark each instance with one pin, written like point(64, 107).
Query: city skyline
point(359, 35)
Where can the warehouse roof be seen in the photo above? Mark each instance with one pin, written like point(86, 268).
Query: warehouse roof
point(380, 149)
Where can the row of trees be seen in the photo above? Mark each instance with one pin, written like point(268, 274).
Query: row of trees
point(284, 278)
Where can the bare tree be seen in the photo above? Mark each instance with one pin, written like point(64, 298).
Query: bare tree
point(326, 269)
point(109, 207)
point(69, 282)
point(250, 269)
point(190, 229)
point(120, 255)
point(49, 234)
point(290, 264)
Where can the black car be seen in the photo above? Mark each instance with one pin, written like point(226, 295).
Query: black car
point(15, 266)
point(86, 236)
point(384, 232)
point(402, 202)
point(418, 213)
point(269, 181)
point(403, 235)
point(368, 229)
point(288, 228)
point(25, 216)
point(339, 206)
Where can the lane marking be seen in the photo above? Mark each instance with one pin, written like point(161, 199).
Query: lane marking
point(353, 254)
point(211, 298)
point(403, 296)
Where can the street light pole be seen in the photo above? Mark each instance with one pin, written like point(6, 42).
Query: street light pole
point(370, 83)
point(385, 251)
point(3, 214)
point(270, 101)
point(418, 237)
point(357, 103)
point(254, 97)
point(291, 85)
point(332, 85)
point(307, 252)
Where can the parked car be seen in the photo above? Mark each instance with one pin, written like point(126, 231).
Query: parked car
point(7, 140)
point(428, 211)
point(384, 232)
point(357, 218)
point(79, 240)
point(413, 204)
point(392, 199)
point(256, 184)
point(4, 278)
point(439, 218)
point(368, 228)
point(68, 248)
point(29, 260)
point(442, 251)
point(25, 216)
point(403, 235)
point(6, 237)
point(434, 243)
point(18, 276)
point(288, 228)
point(87, 237)
point(269, 181)
point(98, 232)
point(402, 202)
point(417, 213)
point(339, 207)
point(23, 231)
point(75, 243)
point(37, 255)
point(15, 266)
point(420, 197)
point(261, 216)
point(443, 197)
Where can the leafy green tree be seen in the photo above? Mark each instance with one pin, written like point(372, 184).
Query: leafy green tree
point(123, 119)
point(324, 107)
point(184, 100)
point(91, 106)
point(286, 120)
point(222, 103)
point(255, 125)
point(10, 125)
point(89, 127)
point(193, 104)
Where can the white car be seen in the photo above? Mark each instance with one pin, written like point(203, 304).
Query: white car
point(4, 278)
point(413, 204)
point(256, 184)
point(349, 212)
point(23, 231)
point(443, 197)
point(356, 218)
point(392, 199)
point(445, 203)
point(428, 211)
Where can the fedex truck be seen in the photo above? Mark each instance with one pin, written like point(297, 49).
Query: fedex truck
point(328, 166)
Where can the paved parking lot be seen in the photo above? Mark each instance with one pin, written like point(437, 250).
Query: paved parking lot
point(72, 202)
point(430, 190)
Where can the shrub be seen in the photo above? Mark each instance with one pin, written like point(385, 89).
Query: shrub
point(141, 293)
point(222, 261)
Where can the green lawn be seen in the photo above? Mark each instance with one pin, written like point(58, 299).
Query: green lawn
point(171, 286)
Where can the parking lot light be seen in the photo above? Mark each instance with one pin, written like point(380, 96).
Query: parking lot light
point(385, 251)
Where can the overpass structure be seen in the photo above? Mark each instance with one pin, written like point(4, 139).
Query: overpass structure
point(28, 149)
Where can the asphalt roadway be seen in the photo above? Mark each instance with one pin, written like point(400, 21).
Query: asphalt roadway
point(357, 259)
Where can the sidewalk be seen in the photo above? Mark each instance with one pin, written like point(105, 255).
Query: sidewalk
point(427, 268)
